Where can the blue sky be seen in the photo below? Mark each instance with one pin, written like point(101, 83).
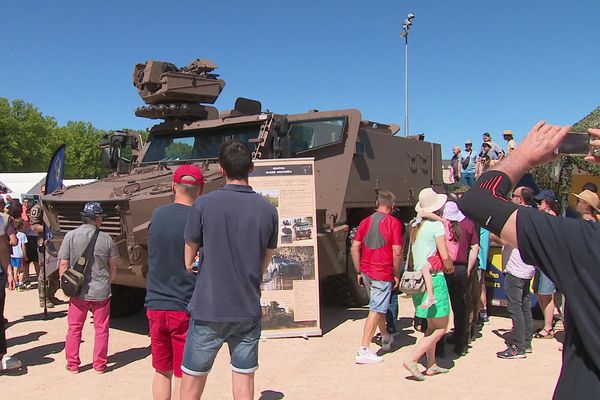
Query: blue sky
point(475, 65)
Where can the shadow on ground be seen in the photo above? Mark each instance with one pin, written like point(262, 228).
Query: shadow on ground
point(30, 337)
point(39, 355)
point(39, 317)
point(271, 395)
point(136, 323)
point(122, 358)
point(332, 316)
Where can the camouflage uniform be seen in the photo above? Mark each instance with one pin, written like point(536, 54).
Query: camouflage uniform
point(37, 223)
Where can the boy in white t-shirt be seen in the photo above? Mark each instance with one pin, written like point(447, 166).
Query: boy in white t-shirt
point(18, 258)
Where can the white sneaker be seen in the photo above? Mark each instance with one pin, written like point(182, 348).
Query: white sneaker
point(386, 343)
point(9, 363)
point(367, 357)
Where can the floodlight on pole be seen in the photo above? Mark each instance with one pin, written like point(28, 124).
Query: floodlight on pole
point(405, 28)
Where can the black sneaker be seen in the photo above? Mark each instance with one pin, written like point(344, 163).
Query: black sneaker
point(528, 349)
point(511, 353)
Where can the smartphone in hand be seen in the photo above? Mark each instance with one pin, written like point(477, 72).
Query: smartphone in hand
point(575, 144)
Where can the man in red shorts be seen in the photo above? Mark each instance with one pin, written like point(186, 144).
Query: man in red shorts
point(169, 284)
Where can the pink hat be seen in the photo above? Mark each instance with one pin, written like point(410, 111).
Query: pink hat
point(452, 213)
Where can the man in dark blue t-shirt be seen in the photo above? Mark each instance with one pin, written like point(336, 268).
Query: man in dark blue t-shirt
point(169, 285)
point(235, 231)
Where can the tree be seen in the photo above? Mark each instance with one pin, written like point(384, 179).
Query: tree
point(24, 137)
point(557, 176)
point(83, 156)
point(28, 139)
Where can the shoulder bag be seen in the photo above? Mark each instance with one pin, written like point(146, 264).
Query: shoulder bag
point(411, 282)
point(73, 278)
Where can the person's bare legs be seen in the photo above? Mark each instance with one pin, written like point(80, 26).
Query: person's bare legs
point(430, 299)
point(547, 307)
point(243, 385)
point(374, 320)
point(436, 330)
point(440, 326)
point(192, 386)
point(161, 385)
point(176, 394)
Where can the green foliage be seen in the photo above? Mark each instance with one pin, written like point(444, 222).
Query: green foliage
point(28, 139)
point(546, 176)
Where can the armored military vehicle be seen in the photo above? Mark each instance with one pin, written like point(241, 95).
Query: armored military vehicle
point(354, 159)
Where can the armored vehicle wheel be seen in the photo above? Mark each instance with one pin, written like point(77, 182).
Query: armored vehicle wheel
point(126, 301)
point(343, 289)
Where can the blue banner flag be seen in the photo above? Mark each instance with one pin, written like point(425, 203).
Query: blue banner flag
point(56, 170)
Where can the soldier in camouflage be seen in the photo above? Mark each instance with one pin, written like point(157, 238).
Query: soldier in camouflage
point(47, 291)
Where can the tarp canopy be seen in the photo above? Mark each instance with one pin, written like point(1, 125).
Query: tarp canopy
point(20, 183)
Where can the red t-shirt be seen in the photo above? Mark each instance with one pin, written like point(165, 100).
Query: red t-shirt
point(378, 263)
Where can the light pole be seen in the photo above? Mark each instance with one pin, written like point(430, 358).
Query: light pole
point(406, 26)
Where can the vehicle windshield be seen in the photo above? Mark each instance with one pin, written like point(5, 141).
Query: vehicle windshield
point(196, 145)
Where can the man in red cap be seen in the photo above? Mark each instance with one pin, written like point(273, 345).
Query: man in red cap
point(169, 285)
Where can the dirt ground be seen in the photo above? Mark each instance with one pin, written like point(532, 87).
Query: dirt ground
point(314, 368)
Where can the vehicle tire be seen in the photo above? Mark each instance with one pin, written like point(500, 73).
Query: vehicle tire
point(126, 301)
point(343, 290)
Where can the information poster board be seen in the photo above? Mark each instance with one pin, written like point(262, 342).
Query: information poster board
point(290, 286)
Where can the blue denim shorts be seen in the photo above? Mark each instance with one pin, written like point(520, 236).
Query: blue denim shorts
point(204, 340)
point(380, 293)
point(544, 285)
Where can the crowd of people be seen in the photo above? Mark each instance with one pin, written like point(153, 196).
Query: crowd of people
point(560, 253)
point(448, 243)
point(467, 167)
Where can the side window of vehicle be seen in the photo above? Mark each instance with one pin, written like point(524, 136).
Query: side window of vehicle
point(308, 135)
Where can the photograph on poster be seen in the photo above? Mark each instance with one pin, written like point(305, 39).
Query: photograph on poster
point(287, 265)
point(296, 229)
point(272, 196)
point(278, 316)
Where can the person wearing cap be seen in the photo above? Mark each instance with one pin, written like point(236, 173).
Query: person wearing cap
point(511, 144)
point(565, 249)
point(235, 231)
point(169, 286)
point(428, 237)
point(377, 256)
point(95, 291)
point(468, 164)
point(496, 153)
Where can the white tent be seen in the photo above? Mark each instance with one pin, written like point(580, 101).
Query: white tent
point(22, 183)
point(19, 183)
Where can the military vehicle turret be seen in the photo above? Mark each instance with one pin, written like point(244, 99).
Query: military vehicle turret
point(354, 158)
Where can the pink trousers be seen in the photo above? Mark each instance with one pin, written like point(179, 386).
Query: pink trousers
point(76, 316)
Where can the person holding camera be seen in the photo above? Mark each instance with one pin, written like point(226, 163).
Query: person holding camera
point(564, 249)
point(94, 294)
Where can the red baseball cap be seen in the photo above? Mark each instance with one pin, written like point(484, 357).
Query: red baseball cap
point(188, 174)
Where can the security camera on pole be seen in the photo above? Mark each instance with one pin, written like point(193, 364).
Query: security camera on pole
point(406, 26)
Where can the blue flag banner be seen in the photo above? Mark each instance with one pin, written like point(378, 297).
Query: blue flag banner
point(56, 170)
